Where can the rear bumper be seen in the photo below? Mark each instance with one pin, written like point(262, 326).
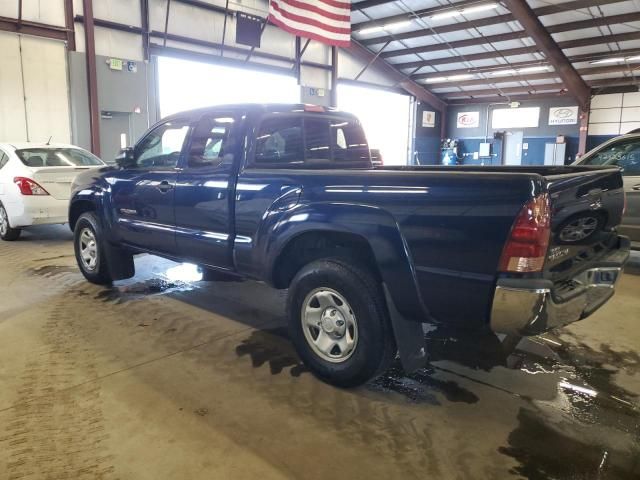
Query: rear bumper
point(38, 210)
point(530, 307)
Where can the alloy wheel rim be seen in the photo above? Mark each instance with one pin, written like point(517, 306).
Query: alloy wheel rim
point(4, 221)
point(579, 229)
point(329, 325)
point(88, 249)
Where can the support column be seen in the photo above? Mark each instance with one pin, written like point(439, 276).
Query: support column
point(334, 77)
point(584, 130)
point(70, 26)
point(92, 76)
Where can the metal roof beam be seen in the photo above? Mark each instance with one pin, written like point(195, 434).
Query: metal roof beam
point(542, 36)
point(494, 91)
point(32, 28)
point(465, 58)
point(427, 12)
point(509, 66)
point(498, 19)
point(406, 83)
point(580, 42)
point(621, 68)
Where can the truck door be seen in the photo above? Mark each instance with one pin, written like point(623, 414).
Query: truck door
point(204, 192)
point(143, 194)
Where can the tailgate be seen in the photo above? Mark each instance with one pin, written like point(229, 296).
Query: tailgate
point(587, 206)
point(57, 180)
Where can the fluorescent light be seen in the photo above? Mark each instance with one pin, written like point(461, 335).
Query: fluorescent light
point(452, 78)
point(608, 60)
point(533, 69)
point(460, 77)
point(502, 72)
point(454, 13)
point(480, 8)
point(436, 79)
point(390, 26)
point(633, 59)
point(364, 31)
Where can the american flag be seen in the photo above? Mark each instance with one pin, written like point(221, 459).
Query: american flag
point(328, 21)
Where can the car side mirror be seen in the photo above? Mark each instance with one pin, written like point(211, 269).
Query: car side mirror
point(126, 158)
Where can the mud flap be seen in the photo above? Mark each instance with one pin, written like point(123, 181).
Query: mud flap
point(120, 263)
point(409, 337)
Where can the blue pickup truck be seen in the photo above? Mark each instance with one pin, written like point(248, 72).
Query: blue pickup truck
point(286, 194)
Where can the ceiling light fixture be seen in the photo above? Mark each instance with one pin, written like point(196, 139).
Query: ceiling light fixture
point(634, 58)
point(539, 68)
point(463, 11)
point(452, 78)
point(607, 60)
point(390, 26)
point(513, 71)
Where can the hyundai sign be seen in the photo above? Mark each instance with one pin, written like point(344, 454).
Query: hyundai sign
point(563, 115)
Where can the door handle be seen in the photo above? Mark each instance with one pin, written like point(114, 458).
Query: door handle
point(165, 186)
point(636, 187)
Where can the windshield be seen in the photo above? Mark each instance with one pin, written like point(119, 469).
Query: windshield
point(624, 154)
point(57, 157)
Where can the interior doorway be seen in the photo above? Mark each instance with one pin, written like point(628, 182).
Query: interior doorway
point(513, 148)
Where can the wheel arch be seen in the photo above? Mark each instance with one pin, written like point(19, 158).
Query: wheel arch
point(369, 234)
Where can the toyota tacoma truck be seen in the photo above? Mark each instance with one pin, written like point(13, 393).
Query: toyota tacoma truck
point(286, 194)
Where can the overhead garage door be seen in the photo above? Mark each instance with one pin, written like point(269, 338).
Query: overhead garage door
point(185, 84)
point(385, 116)
point(34, 92)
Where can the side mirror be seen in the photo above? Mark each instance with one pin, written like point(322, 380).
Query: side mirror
point(126, 158)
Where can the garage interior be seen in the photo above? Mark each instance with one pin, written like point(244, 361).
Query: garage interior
point(167, 376)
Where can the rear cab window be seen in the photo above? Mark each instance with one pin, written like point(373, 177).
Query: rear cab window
point(310, 141)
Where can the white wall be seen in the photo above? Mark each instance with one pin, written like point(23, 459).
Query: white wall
point(614, 114)
point(34, 93)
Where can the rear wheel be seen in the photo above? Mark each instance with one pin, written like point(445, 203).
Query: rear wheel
point(339, 323)
point(6, 232)
point(88, 245)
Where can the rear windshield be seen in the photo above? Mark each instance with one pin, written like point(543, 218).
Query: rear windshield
point(57, 157)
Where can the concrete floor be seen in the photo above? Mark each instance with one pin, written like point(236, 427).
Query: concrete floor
point(162, 378)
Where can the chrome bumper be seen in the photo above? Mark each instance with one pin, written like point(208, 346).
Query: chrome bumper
point(521, 309)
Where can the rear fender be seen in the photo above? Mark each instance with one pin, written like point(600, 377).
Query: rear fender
point(376, 226)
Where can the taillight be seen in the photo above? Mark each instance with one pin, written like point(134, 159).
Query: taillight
point(29, 187)
point(526, 247)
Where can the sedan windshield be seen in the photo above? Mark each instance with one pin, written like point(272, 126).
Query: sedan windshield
point(57, 157)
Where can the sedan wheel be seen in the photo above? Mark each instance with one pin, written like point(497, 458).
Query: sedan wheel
point(6, 232)
point(4, 222)
point(579, 229)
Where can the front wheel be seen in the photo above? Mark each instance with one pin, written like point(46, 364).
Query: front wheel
point(6, 232)
point(339, 323)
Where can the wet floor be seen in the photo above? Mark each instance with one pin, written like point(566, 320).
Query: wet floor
point(165, 376)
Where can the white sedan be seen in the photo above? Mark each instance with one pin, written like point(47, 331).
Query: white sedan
point(35, 183)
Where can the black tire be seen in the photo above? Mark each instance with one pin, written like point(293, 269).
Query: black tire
point(99, 274)
point(375, 346)
point(7, 233)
